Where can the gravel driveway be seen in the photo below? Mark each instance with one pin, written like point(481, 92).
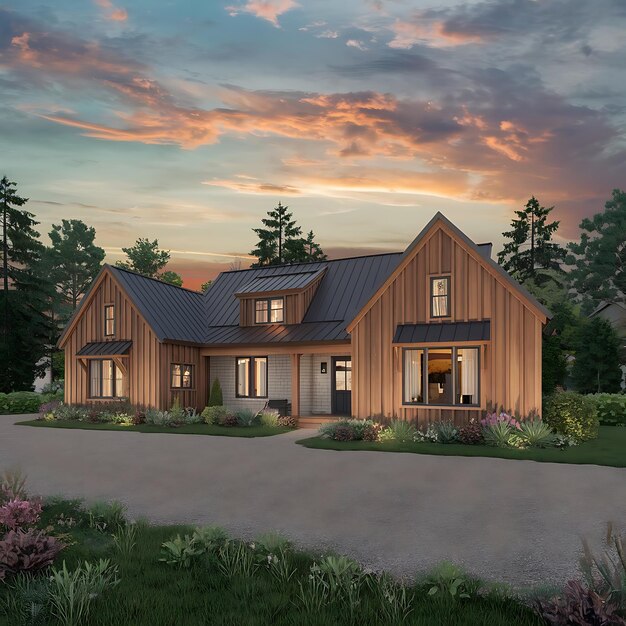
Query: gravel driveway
point(514, 521)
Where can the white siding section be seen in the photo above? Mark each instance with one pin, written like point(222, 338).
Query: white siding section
point(315, 387)
point(278, 381)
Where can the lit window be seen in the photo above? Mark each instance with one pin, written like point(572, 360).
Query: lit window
point(182, 376)
point(431, 374)
point(106, 380)
point(440, 297)
point(251, 377)
point(109, 320)
point(269, 311)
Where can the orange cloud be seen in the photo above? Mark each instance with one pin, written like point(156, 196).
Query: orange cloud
point(112, 12)
point(409, 33)
point(269, 10)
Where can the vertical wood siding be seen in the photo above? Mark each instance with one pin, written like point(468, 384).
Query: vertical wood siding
point(510, 370)
point(186, 355)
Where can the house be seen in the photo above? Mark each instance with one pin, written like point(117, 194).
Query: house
point(615, 314)
point(439, 331)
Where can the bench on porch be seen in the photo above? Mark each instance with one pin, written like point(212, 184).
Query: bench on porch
point(282, 406)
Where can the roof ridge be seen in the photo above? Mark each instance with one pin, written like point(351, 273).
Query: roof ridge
point(162, 282)
point(345, 258)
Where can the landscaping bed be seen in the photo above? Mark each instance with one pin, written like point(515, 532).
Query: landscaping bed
point(183, 429)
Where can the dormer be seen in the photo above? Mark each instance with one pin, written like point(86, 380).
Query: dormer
point(278, 298)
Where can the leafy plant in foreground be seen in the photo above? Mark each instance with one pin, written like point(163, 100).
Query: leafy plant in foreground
point(124, 539)
point(450, 581)
point(535, 433)
point(446, 432)
point(27, 551)
point(27, 600)
point(180, 551)
point(106, 516)
point(401, 431)
point(394, 599)
point(236, 558)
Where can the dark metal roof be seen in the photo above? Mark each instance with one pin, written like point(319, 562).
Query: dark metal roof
point(105, 348)
point(277, 333)
point(443, 332)
point(281, 282)
point(173, 313)
point(347, 284)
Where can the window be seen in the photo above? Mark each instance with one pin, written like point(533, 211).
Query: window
point(251, 377)
point(269, 311)
point(109, 320)
point(106, 380)
point(440, 296)
point(182, 376)
point(444, 376)
point(343, 375)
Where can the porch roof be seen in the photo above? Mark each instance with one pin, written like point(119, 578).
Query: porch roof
point(105, 348)
point(444, 332)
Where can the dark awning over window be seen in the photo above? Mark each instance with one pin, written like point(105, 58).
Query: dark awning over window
point(446, 332)
point(105, 348)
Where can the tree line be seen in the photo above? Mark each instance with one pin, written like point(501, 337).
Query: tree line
point(572, 281)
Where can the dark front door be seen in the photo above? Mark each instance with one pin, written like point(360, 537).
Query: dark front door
point(342, 385)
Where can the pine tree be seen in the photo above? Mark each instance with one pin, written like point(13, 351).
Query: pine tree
point(597, 367)
point(276, 241)
point(25, 295)
point(312, 249)
point(146, 259)
point(531, 253)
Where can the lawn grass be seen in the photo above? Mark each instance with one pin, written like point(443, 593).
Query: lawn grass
point(188, 429)
point(608, 449)
point(153, 593)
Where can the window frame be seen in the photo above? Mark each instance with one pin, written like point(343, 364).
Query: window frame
point(453, 382)
point(448, 295)
point(192, 376)
point(268, 310)
point(108, 307)
point(252, 377)
point(115, 369)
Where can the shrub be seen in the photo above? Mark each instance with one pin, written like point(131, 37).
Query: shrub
point(12, 485)
point(72, 593)
point(498, 434)
point(450, 581)
point(55, 387)
point(106, 516)
point(16, 514)
point(342, 576)
point(401, 430)
point(245, 417)
point(139, 417)
point(176, 412)
point(610, 407)
point(229, 420)
point(192, 416)
point(21, 402)
point(371, 431)
point(288, 421)
point(210, 538)
point(344, 432)
point(158, 418)
point(446, 432)
point(213, 414)
point(71, 412)
point(579, 606)
point(269, 417)
point(215, 397)
point(471, 433)
point(47, 409)
point(572, 414)
point(535, 433)
point(181, 551)
point(27, 551)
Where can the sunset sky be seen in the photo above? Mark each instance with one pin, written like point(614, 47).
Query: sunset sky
point(186, 121)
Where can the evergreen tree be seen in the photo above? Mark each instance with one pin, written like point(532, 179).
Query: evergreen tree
point(146, 259)
point(531, 251)
point(74, 259)
point(204, 287)
point(312, 249)
point(276, 243)
point(599, 259)
point(25, 294)
point(597, 367)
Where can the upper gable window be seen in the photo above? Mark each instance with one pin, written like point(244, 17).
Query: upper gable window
point(269, 311)
point(440, 296)
point(109, 320)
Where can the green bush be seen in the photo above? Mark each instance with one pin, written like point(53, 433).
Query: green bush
point(572, 414)
point(246, 417)
point(215, 397)
point(611, 408)
point(269, 417)
point(25, 401)
point(214, 414)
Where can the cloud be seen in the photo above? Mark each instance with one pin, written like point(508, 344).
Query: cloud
point(253, 187)
point(356, 43)
point(113, 13)
point(269, 10)
point(409, 33)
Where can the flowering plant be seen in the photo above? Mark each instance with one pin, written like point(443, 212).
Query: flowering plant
point(17, 513)
point(493, 419)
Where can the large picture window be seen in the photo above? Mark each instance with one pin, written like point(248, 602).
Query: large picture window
point(251, 376)
point(106, 380)
point(440, 296)
point(109, 320)
point(182, 376)
point(446, 376)
point(269, 311)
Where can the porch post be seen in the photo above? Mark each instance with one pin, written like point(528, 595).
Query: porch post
point(295, 384)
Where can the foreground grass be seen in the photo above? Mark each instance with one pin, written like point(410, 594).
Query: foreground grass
point(608, 449)
point(152, 593)
point(191, 429)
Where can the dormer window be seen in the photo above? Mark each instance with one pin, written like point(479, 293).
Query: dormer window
point(440, 296)
point(109, 320)
point(269, 311)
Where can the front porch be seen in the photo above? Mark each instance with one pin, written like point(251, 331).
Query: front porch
point(316, 381)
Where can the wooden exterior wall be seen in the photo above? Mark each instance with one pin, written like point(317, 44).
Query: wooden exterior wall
point(148, 362)
point(296, 304)
point(510, 363)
